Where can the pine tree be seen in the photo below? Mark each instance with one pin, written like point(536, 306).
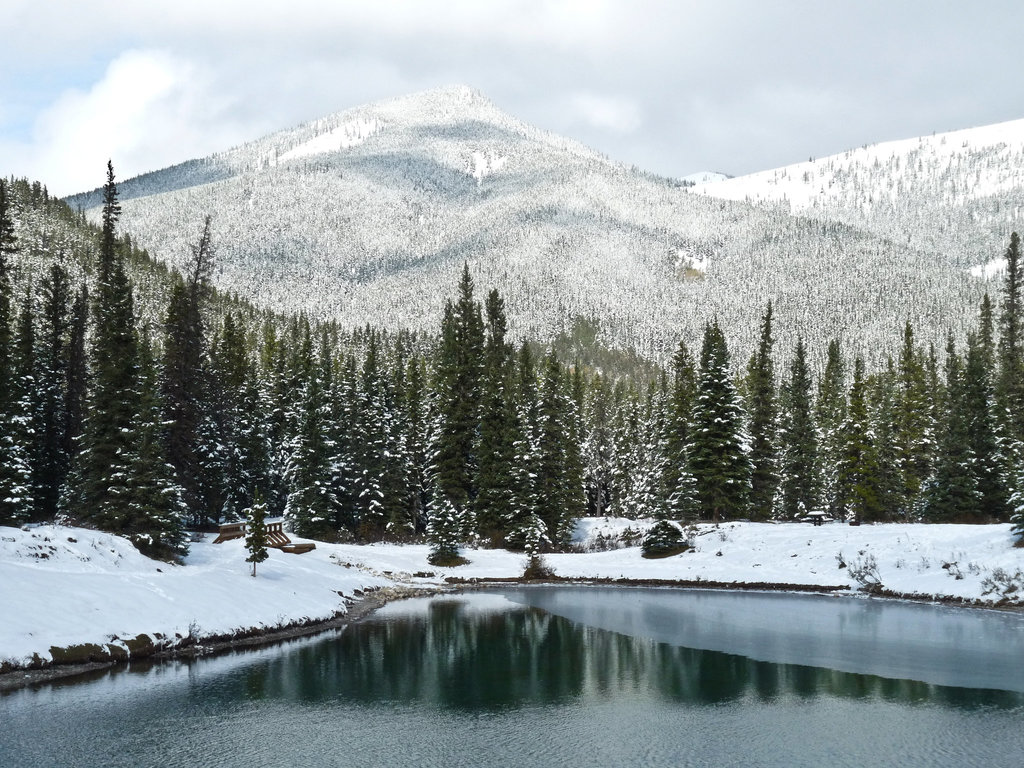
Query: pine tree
point(800, 482)
point(627, 452)
point(762, 409)
point(444, 531)
point(459, 367)
point(1009, 386)
point(155, 500)
point(524, 522)
point(417, 441)
point(15, 481)
point(677, 481)
point(495, 480)
point(718, 460)
point(858, 482)
point(951, 494)
point(883, 390)
point(913, 449)
point(978, 405)
point(559, 480)
point(830, 415)
point(184, 386)
point(1017, 508)
point(18, 445)
point(256, 532)
point(650, 490)
point(77, 373)
point(598, 449)
point(311, 502)
point(52, 459)
point(101, 488)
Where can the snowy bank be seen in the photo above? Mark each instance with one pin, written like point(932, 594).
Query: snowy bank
point(69, 586)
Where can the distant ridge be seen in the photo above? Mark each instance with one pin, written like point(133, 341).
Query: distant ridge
point(367, 215)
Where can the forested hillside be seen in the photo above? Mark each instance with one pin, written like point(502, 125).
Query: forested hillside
point(145, 428)
point(367, 216)
point(960, 193)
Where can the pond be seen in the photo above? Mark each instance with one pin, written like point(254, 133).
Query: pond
point(564, 676)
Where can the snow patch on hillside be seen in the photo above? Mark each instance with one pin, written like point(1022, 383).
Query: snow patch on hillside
point(484, 164)
point(349, 134)
point(992, 269)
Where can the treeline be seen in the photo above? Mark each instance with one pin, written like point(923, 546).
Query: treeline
point(371, 435)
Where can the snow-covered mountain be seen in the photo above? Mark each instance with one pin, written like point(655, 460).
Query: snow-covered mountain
point(960, 192)
point(368, 215)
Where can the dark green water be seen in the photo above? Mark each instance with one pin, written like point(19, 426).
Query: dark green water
point(485, 681)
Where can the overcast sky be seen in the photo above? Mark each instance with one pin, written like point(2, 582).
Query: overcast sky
point(674, 87)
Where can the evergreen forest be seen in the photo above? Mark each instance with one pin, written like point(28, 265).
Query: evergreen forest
point(151, 411)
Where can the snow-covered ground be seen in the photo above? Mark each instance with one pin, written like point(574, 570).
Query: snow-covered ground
point(65, 586)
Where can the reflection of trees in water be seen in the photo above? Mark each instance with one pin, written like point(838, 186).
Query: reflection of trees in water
point(463, 659)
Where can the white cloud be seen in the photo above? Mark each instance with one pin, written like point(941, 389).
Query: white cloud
point(149, 110)
point(607, 113)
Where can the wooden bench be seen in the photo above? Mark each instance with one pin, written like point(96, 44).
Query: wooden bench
point(276, 537)
point(229, 531)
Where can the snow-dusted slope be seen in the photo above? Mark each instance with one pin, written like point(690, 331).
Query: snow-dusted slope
point(961, 191)
point(368, 215)
point(67, 586)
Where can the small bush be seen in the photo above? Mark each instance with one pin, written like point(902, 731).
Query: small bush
point(445, 558)
point(537, 569)
point(1003, 583)
point(664, 539)
point(864, 570)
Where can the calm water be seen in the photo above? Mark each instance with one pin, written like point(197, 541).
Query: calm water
point(565, 677)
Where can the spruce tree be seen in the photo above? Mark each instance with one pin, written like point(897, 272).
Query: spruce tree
point(718, 461)
point(495, 480)
point(18, 443)
point(677, 480)
point(1009, 386)
point(311, 503)
point(444, 531)
point(459, 367)
point(651, 491)
point(762, 410)
point(77, 372)
point(978, 405)
point(156, 506)
point(184, 383)
point(830, 415)
point(858, 481)
point(416, 404)
point(53, 457)
point(951, 493)
point(256, 532)
point(883, 401)
point(627, 453)
point(371, 428)
point(913, 449)
point(15, 481)
point(524, 522)
point(559, 480)
point(598, 449)
point(103, 475)
point(800, 483)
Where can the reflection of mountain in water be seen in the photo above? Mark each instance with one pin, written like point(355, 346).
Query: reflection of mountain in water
point(520, 658)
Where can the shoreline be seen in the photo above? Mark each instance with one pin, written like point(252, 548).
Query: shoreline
point(255, 637)
point(365, 605)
